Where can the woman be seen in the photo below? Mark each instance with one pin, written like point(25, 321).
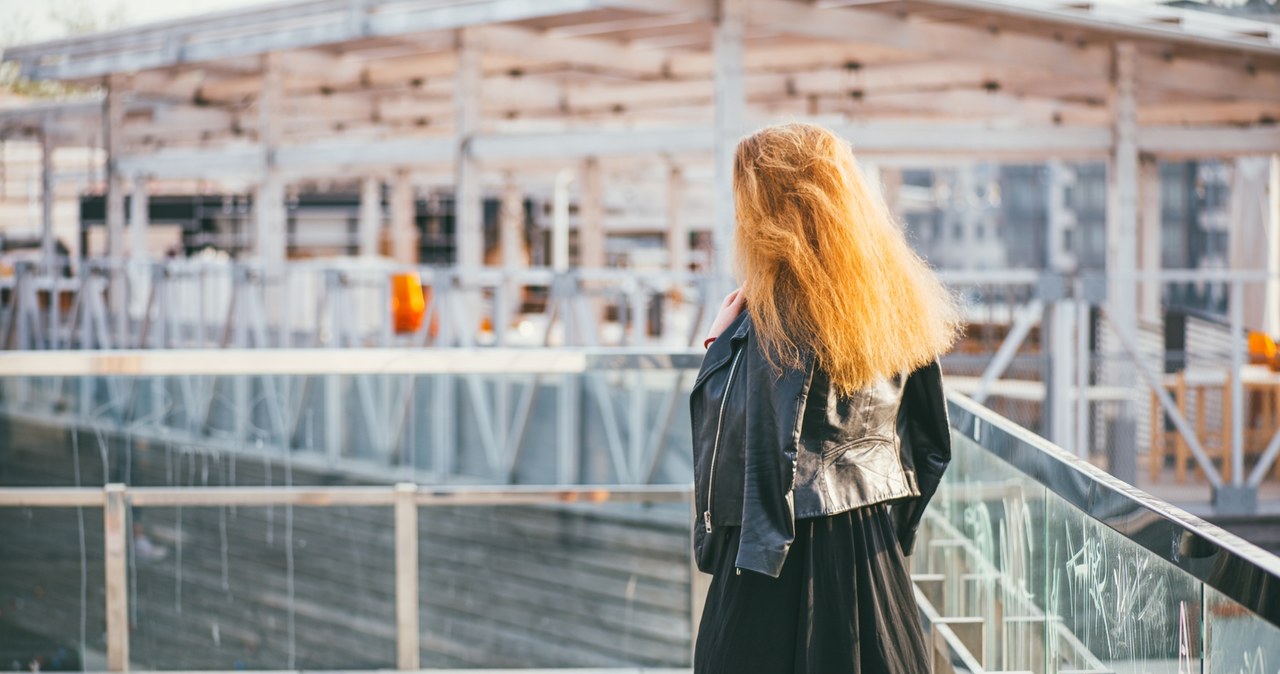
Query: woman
point(819, 426)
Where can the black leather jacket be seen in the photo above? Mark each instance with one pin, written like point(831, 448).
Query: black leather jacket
point(768, 450)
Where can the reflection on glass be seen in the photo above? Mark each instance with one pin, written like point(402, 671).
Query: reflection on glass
point(1004, 549)
point(51, 608)
point(622, 426)
point(1121, 608)
point(983, 552)
point(555, 586)
point(226, 588)
point(1238, 641)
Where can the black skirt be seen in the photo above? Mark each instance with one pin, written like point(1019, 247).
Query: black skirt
point(842, 604)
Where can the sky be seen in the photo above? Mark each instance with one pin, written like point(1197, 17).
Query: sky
point(35, 20)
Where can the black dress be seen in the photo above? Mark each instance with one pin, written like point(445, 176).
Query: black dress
point(842, 604)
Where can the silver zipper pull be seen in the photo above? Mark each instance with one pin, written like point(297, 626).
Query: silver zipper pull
point(706, 517)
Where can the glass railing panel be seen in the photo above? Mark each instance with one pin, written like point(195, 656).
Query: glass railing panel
point(980, 559)
point(227, 587)
point(550, 418)
point(52, 614)
point(1130, 583)
point(1116, 606)
point(220, 588)
point(555, 586)
point(1239, 641)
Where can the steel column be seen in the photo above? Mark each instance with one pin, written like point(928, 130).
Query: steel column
point(730, 104)
point(370, 223)
point(269, 218)
point(1122, 188)
point(404, 230)
point(1122, 250)
point(468, 229)
point(113, 133)
point(1149, 213)
point(677, 223)
point(48, 252)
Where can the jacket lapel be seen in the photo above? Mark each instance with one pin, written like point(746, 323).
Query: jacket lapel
point(721, 351)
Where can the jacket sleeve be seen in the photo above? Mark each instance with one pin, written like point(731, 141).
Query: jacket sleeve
point(775, 408)
point(925, 432)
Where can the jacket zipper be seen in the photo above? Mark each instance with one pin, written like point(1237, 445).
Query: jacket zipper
point(711, 476)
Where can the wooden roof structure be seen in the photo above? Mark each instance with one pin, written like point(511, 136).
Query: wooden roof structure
point(319, 87)
point(1032, 76)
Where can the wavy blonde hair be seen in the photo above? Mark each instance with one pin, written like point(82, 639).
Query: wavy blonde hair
point(825, 267)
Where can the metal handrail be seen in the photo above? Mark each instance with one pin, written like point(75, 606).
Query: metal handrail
point(404, 499)
point(257, 362)
point(1220, 560)
point(335, 496)
point(1223, 561)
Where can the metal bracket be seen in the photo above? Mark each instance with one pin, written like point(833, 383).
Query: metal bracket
point(1053, 286)
point(1093, 288)
point(1233, 500)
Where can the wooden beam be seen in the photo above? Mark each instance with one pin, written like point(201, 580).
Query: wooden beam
point(293, 26)
point(952, 41)
point(967, 43)
point(793, 55)
point(702, 9)
point(176, 86)
point(1240, 82)
point(972, 104)
point(1172, 142)
point(1148, 23)
point(1208, 113)
point(928, 76)
point(977, 140)
point(346, 154)
point(404, 69)
point(943, 141)
point(594, 53)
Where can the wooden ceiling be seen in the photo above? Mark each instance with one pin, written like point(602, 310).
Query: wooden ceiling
point(383, 71)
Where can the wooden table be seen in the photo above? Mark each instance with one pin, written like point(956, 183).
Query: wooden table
point(1262, 416)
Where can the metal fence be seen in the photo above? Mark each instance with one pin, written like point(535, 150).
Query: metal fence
point(1029, 560)
point(1088, 360)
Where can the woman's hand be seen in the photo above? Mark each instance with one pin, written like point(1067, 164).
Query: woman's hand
point(729, 310)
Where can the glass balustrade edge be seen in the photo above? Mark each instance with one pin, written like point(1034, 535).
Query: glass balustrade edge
point(1223, 561)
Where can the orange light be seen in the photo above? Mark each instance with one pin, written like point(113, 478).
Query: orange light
point(408, 302)
point(1262, 348)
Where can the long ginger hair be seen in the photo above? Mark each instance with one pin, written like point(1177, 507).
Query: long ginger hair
point(825, 267)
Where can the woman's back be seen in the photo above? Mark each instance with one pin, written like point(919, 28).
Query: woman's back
point(822, 401)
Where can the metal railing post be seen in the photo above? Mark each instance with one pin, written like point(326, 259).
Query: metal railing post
point(1239, 403)
point(115, 527)
point(406, 532)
